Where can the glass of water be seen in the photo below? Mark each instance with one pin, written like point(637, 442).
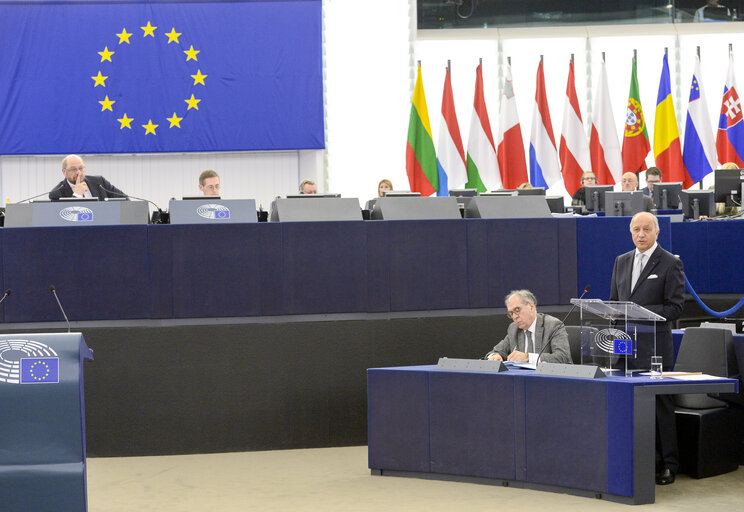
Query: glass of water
point(656, 367)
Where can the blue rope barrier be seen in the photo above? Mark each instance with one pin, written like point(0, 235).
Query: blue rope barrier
point(718, 314)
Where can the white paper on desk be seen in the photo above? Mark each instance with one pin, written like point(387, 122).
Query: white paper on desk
point(702, 376)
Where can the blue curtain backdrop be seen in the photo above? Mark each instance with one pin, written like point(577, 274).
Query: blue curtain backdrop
point(157, 76)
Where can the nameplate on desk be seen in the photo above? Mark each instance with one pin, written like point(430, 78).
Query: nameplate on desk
point(470, 365)
point(75, 212)
point(210, 210)
point(576, 371)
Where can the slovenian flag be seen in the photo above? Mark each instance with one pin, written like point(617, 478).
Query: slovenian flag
point(482, 167)
point(607, 162)
point(730, 137)
point(510, 148)
point(700, 150)
point(450, 154)
point(545, 168)
point(421, 159)
point(667, 148)
point(573, 149)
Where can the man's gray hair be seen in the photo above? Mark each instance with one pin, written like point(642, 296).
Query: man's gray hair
point(526, 296)
point(656, 220)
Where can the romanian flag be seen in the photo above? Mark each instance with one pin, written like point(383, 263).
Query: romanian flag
point(667, 149)
point(421, 158)
point(635, 142)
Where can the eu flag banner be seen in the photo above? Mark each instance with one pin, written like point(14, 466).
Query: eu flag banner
point(40, 370)
point(144, 76)
point(623, 347)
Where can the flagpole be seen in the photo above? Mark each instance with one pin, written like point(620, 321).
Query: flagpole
point(700, 183)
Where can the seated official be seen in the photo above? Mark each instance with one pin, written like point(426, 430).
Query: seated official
point(77, 184)
point(529, 332)
point(209, 183)
point(385, 185)
point(579, 197)
point(308, 187)
point(629, 183)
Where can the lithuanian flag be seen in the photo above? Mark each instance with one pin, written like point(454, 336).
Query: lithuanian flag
point(421, 158)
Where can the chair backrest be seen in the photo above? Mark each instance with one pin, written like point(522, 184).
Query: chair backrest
point(579, 336)
point(706, 350)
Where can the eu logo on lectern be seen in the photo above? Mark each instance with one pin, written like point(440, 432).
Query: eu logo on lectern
point(40, 370)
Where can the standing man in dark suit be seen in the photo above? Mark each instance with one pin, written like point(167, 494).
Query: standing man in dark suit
point(77, 184)
point(529, 332)
point(653, 278)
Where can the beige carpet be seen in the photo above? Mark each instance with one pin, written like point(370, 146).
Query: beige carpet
point(337, 479)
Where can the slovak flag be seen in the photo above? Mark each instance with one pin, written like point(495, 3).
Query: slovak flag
point(545, 168)
point(700, 151)
point(730, 137)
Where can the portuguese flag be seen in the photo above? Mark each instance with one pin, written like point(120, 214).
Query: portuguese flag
point(635, 142)
point(421, 158)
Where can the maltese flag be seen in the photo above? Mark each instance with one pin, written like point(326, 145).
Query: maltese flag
point(545, 168)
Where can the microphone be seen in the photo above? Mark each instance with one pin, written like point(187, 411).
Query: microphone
point(5, 295)
point(54, 292)
point(127, 196)
point(586, 290)
point(42, 194)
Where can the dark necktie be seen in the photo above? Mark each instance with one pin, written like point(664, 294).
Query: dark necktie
point(528, 345)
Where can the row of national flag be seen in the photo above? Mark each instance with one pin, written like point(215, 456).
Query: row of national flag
point(489, 164)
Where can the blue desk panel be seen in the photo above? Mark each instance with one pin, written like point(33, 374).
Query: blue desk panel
point(595, 436)
point(100, 273)
point(712, 252)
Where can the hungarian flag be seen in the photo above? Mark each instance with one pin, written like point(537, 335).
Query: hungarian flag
point(483, 169)
point(667, 149)
point(730, 137)
point(421, 159)
point(635, 142)
point(510, 149)
point(574, 149)
point(607, 163)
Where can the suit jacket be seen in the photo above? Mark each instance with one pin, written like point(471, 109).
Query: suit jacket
point(661, 289)
point(98, 185)
point(547, 329)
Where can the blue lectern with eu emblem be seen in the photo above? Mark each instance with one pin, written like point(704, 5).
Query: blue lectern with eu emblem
point(42, 431)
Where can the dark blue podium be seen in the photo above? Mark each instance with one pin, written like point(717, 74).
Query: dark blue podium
point(42, 431)
point(591, 437)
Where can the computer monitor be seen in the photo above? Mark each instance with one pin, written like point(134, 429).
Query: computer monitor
point(500, 193)
point(666, 195)
point(595, 197)
point(400, 193)
point(623, 204)
point(556, 204)
point(728, 184)
point(463, 192)
point(305, 196)
point(698, 202)
point(536, 191)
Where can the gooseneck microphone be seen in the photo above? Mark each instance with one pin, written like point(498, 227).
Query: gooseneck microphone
point(42, 194)
point(54, 292)
point(6, 294)
point(586, 290)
